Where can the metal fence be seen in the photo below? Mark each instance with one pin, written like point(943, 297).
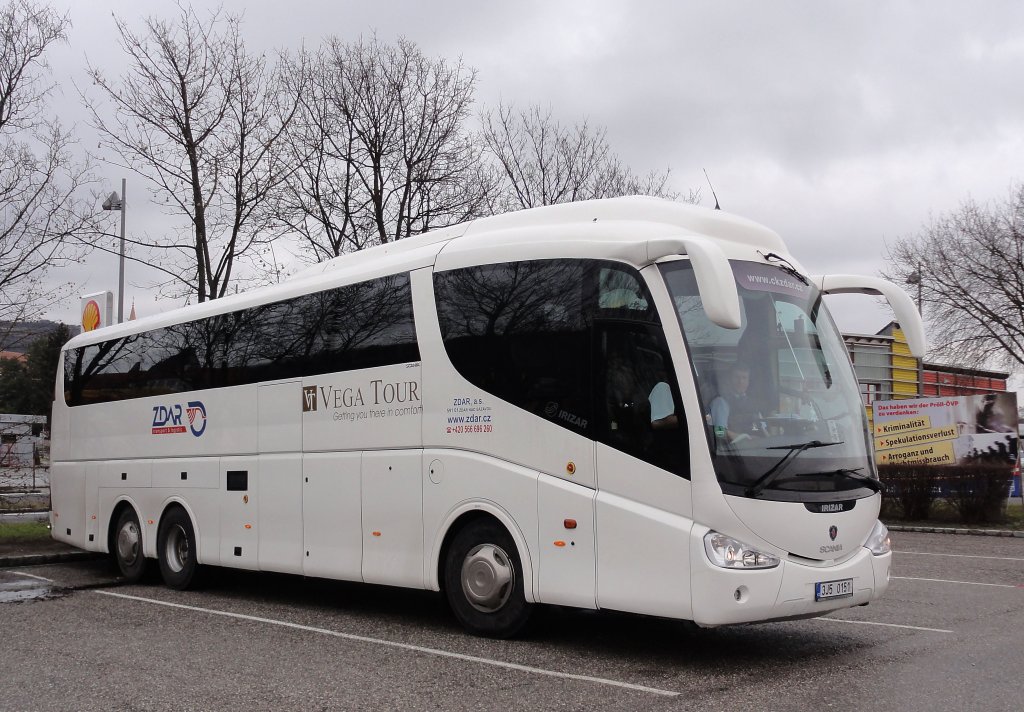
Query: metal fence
point(25, 481)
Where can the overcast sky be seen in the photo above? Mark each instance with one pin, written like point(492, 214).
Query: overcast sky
point(841, 125)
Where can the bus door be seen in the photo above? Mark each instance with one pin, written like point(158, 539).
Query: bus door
point(643, 508)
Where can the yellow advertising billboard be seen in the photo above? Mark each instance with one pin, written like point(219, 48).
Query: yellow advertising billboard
point(959, 430)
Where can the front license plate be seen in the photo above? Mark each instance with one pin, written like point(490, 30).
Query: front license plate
point(824, 590)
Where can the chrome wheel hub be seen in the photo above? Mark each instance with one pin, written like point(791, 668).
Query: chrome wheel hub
point(176, 551)
point(487, 578)
point(128, 543)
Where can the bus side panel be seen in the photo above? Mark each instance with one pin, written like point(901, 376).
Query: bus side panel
point(161, 426)
point(331, 517)
point(643, 534)
point(187, 475)
point(109, 483)
point(392, 514)
point(567, 568)
point(362, 409)
point(643, 562)
point(280, 513)
point(67, 503)
point(457, 481)
point(95, 522)
point(60, 429)
point(239, 512)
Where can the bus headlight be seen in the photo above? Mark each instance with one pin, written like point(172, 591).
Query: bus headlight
point(731, 553)
point(879, 542)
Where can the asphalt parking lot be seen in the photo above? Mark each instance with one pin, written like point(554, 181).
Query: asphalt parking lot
point(948, 636)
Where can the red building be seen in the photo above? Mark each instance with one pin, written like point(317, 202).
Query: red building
point(941, 380)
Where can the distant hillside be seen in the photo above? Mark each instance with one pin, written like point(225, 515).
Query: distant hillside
point(18, 336)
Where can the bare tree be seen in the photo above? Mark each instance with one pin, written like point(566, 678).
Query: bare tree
point(200, 119)
point(968, 266)
point(45, 202)
point(543, 162)
point(380, 147)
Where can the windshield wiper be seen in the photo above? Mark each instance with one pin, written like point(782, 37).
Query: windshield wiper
point(851, 474)
point(775, 470)
point(784, 265)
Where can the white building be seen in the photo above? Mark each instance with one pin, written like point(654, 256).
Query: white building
point(19, 437)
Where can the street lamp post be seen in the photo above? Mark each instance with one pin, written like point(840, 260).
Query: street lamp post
point(915, 278)
point(115, 202)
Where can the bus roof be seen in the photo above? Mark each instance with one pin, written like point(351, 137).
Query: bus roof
point(647, 216)
point(683, 217)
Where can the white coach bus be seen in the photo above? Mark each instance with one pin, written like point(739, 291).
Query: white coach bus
point(625, 404)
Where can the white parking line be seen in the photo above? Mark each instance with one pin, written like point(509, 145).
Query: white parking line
point(32, 576)
point(966, 583)
point(403, 646)
point(887, 625)
point(958, 556)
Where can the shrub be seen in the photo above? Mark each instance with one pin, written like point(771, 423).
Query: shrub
point(977, 492)
point(909, 491)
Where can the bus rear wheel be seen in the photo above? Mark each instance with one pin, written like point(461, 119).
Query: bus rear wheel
point(483, 580)
point(176, 550)
point(128, 546)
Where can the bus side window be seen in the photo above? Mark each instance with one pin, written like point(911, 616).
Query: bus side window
point(520, 331)
point(353, 326)
point(639, 409)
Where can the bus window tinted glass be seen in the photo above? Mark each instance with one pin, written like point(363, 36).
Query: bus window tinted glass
point(639, 411)
point(577, 342)
point(521, 331)
point(356, 326)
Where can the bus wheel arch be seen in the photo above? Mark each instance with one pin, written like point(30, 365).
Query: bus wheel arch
point(177, 547)
point(125, 541)
point(482, 574)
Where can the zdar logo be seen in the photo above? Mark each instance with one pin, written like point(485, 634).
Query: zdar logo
point(196, 412)
point(168, 419)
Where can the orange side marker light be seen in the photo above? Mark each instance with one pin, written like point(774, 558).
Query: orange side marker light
point(559, 543)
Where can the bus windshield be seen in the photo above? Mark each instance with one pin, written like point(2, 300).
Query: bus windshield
point(778, 395)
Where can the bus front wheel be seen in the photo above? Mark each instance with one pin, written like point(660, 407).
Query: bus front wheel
point(483, 580)
point(176, 550)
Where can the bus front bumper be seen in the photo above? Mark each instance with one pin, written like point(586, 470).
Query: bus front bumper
point(726, 596)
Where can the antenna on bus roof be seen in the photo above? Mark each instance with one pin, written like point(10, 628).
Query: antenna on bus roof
point(712, 188)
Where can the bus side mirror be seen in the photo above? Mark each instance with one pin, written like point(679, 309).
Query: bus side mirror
point(906, 313)
point(715, 280)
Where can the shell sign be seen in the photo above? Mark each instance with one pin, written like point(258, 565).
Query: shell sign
point(91, 316)
point(97, 310)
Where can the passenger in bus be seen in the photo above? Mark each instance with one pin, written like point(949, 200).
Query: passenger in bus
point(663, 407)
point(733, 410)
point(628, 410)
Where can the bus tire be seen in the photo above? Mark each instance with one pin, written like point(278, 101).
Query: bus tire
point(176, 550)
point(127, 549)
point(483, 580)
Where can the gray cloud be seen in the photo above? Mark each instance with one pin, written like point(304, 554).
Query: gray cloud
point(838, 124)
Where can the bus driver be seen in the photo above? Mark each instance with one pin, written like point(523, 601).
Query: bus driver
point(733, 412)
